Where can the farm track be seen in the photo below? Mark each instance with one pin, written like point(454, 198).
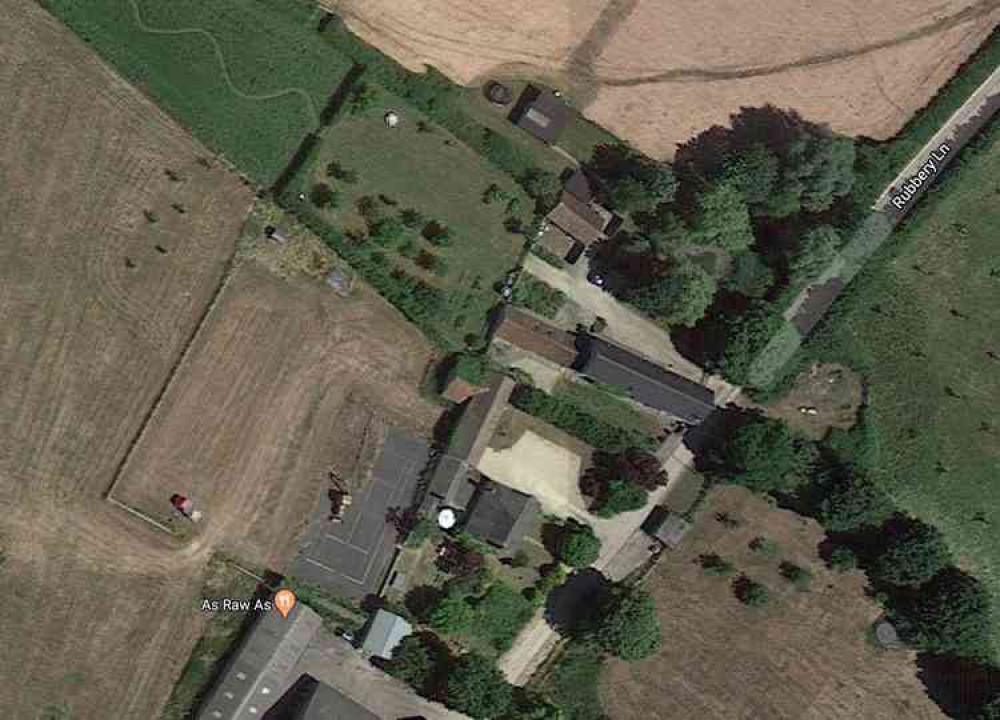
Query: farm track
point(313, 111)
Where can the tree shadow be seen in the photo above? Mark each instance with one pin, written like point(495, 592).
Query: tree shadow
point(571, 607)
point(959, 687)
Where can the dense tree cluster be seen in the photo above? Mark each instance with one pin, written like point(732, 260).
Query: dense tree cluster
point(621, 482)
point(766, 456)
point(629, 628)
point(578, 546)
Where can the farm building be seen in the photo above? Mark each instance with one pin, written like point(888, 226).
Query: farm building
point(541, 113)
point(560, 245)
point(262, 665)
point(579, 216)
point(309, 699)
point(646, 382)
point(529, 332)
point(501, 515)
point(386, 631)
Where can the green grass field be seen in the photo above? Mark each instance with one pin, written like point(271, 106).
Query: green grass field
point(919, 323)
point(442, 179)
point(251, 95)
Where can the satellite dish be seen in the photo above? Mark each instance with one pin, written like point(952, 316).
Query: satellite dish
point(447, 519)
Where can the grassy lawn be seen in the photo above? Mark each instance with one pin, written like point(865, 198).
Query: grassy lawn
point(444, 181)
point(221, 634)
point(933, 387)
point(268, 48)
point(606, 403)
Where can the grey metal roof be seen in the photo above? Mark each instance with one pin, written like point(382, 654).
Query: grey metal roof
point(309, 699)
point(386, 632)
point(501, 515)
point(452, 482)
point(262, 664)
point(647, 382)
point(672, 530)
point(541, 113)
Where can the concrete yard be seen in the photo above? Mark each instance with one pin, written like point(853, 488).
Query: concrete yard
point(352, 557)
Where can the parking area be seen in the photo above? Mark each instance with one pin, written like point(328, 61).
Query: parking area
point(352, 557)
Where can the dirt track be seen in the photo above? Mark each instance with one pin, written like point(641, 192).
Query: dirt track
point(658, 75)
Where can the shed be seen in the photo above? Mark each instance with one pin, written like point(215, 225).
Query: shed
point(386, 631)
point(580, 215)
point(541, 113)
point(667, 527)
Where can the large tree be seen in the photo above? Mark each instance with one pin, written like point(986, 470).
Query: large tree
point(635, 183)
point(912, 556)
point(679, 298)
point(476, 688)
point(854, 501)
point(412, 662)
point(629, 627)
point(722, 218)
point(816, 249)
point(950, 614)
point(766, 456)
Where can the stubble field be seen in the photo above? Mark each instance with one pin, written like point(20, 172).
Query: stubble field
point(656, 75)
point(107, 268)
point(804, 656)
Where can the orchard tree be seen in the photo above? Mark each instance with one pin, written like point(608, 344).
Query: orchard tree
point(578, 546)
point(476, 688)
point(913, 556)
point(629, 628)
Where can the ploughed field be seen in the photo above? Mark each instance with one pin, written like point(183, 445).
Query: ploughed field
point(805, 655)
point(657, 74)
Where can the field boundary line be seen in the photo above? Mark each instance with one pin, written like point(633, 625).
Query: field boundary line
point(141, 515)
point(220, 56)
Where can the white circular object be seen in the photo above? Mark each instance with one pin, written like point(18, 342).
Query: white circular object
point(447, 519)
point(391, 119)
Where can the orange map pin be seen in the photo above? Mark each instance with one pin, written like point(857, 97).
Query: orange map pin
point(284, 601)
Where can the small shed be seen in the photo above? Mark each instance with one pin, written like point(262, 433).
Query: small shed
point(541, 113)
point(667, 527)
point(387, 630)
point(499, 94)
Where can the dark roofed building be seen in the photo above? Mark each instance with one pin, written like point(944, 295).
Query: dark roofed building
point(528, 332)
point(541, 113)
point(261, 665)
point(309, 699)
point(667, 527)
point(558, 244)
point(501, 515)
point(646, 382)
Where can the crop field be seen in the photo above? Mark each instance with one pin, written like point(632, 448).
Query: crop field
point(427, 170)
point(249, 426)
point(95, 315)
point(656, 74)
point(921, 326)
point(249, 78)
point(804, 655)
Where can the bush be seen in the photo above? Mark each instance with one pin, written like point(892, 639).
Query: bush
point(619, 497)
point(456, 558)
point(714, 564)
point(798, 576)
point(323, 196)
point(412, 663)
point(437, 234)
point(763, 546)
point(750, 592)
point(478, 689)
point(913, 556)
point(843, 559)
point(453, 615)
point(853, 502)
point(549, 579)
point(578, 546)
point(388, 231)
point(500, 615)
point(538, 297)
point(412, 219)
point(629, 628)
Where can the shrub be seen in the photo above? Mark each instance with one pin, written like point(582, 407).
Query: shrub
point(455, 558)
point(388, 231)
point(336, 171)
point(323, 196)
point(578, 546)
point(763, 546)
point(412, 663)
point(843, 559)
point(798, 576)
point(453, 615)
point(500, 615)
point(411, 218)
point(538, 297)
point(493, 194)
point(714, 564)
point(437, 234)
point(368, 208)
point(426, 260)
point(854, 502)
point(629, 628)
point(750, 592)
point(912, 557)
point(151, 216)
point(621, 497)
point(549, 579)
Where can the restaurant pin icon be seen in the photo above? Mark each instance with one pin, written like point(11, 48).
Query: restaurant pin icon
point(284, 601)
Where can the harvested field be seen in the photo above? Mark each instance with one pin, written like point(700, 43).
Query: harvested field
point(804, 655)
point(94, 318)
point(656, 75)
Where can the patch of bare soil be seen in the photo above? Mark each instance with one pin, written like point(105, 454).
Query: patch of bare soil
point(656, 74)
point(804, 656)
point(826, 396)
